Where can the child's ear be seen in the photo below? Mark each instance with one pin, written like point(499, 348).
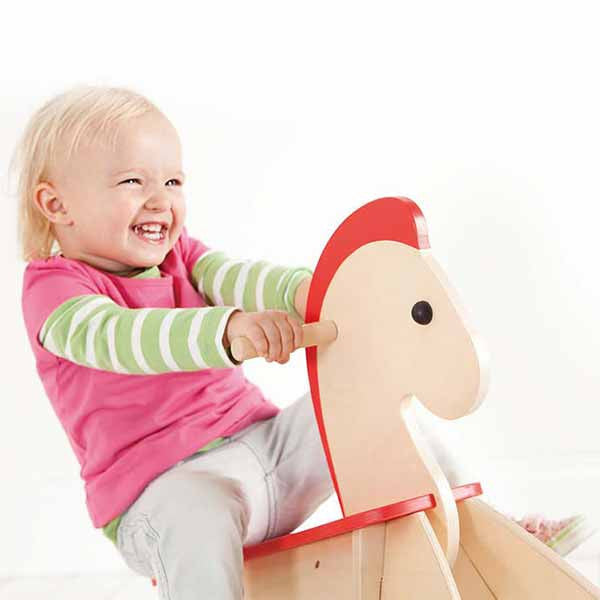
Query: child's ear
point(47, 201)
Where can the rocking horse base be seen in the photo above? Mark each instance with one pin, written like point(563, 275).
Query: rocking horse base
point(373, 563)
point(401, 558)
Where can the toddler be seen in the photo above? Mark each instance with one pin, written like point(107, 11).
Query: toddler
point(130, 321)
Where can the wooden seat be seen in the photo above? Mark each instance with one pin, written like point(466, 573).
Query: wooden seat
point(358, 521)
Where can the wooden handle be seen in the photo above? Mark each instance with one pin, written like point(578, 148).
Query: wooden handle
point(313, 334)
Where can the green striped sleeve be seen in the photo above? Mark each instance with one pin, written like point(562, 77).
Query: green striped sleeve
point(249, 285)
point(93, 331)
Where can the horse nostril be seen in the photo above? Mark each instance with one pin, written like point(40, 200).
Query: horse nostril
point(422, 312)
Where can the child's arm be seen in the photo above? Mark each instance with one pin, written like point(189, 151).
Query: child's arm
point(301, 296)
point(93, 331)
point(250, 285)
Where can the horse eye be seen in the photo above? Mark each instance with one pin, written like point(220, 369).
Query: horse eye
point(422, 312)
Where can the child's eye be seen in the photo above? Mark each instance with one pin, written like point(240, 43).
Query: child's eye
point(136, 179)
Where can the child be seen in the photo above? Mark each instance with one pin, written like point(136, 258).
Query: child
point(184, 460)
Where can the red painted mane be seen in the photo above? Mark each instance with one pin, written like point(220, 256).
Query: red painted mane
point(392, 218)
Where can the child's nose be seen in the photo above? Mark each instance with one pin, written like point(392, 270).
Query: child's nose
point(159, 200)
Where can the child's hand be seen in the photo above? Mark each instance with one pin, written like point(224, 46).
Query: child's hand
point(274, 333)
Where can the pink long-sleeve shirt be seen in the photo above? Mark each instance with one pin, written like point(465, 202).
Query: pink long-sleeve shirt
point(127, 429)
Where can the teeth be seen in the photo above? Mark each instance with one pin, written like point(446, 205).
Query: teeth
point(152, 232)
point(153, 236)
point(153, 227)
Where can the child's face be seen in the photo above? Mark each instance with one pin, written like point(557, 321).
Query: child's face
point(98, 197)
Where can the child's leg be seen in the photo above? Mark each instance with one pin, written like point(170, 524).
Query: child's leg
point(186, 530)
point(291, 453)
point(188, 527)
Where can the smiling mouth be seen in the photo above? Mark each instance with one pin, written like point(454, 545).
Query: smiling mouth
point(151, 237)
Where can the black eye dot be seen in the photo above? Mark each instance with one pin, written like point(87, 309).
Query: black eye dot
point(422, 312)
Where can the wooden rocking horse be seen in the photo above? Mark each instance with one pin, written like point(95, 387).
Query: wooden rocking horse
point(384, 329)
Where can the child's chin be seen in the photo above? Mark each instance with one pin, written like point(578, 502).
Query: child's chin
point(150, 262)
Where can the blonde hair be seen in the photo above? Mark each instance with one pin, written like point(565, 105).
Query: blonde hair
point(54, 133)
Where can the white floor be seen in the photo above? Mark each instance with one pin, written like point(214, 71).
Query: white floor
point(129, 586)
point(116, 586)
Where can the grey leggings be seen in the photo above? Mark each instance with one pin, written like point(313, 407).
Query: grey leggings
point(189, 525)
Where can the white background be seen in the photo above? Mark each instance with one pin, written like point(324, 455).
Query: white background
point(291, 116)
